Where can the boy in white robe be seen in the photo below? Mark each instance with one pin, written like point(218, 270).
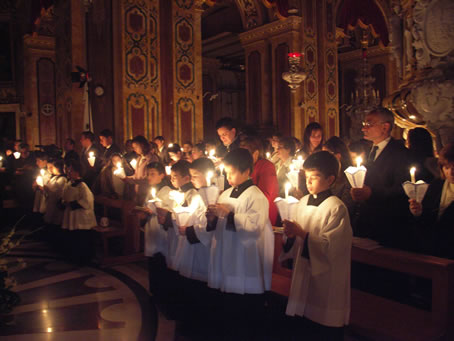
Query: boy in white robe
point(242, 248)
point(177, 241)
point(40, 200)
point(319, 239)
point(79, 216)
point(54, 192)
point(156, 243)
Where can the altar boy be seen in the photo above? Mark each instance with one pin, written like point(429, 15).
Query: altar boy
point(242, 249)
point(319, 241)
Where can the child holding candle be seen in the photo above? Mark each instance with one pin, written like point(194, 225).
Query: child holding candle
point(242, 249)
point(40, 201)
point(155, 236)
point(178, 243)
point(54, 191)
point(319, 240)
point(79, 216)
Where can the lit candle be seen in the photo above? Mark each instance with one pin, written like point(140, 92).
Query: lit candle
point(134, 163)
point(268, 155)
point(288, 185)
point(153, 193)
point(208, 177)
point(359, 160)
point(40, 181)
point(91, 158)
point(221, 168)
point(170, 145)
point(168, 169)
point(412, 174)
point(16, 155)
point(212, 151)
point(119, 171)
point(41, 172)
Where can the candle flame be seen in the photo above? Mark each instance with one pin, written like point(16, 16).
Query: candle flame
point(412, 170)
point(91, 154)
point(300, 158)
point(168, 169)
point(153, 192)
point(41, 172)
point(268, 155)
point(359, 160)
point(16, 155)
point(133, 163)
point(212, 151)
point(118, 164)
point(170, 145)
point(221, 168)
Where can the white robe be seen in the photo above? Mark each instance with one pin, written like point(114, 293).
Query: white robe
point(54, 215)
point(191, 260)
point(155, 236)
point(40, 200)
point(320, 288)
point(175, 239)
point(82, 218)
point(241, 261)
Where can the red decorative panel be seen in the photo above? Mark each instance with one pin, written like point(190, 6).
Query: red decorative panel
point(255, 87)
point(46, 101)
point(138, 120)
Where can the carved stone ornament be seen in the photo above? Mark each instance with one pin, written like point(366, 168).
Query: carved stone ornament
point(434, 100)
point(432, 31)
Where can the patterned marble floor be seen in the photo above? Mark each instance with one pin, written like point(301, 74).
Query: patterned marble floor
point(60, 301)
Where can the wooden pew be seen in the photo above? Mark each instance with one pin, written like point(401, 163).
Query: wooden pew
point(126, 228)
point(379, 318)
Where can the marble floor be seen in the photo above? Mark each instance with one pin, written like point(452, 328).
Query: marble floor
point(62, 301)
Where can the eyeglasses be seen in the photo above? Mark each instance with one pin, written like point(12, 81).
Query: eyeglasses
point(370, 124)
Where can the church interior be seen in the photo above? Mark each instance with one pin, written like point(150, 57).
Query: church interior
point(174, 68)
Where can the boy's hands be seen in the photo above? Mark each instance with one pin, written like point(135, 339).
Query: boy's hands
point(218, 210)
point(182, 230)
point(162, 213)
point(292, 229)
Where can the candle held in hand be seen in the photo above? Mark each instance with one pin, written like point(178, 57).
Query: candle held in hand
point(133, 164)
point(208, 177)
point(412, 174)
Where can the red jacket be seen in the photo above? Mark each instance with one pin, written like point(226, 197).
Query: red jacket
point(264, 177)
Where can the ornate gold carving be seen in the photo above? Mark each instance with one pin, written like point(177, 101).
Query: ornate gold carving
point(292, 23)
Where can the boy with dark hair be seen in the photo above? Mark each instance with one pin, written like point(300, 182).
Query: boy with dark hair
point(242, 255)
point(319, 239)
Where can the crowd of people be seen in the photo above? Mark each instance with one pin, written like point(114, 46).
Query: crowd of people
point(208, 210)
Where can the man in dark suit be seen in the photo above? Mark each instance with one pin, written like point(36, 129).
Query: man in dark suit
point(106, 140)
point(87, 140)
point(384, 210)
point(228, 134)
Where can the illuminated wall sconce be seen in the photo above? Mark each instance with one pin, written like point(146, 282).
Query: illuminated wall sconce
point(296, 74)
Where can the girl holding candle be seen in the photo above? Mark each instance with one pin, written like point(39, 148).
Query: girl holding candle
point(139, 178)
point(285, 152)
point(434, 216)
point(312, 139)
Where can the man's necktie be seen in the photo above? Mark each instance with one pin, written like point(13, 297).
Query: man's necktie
point(372, 154)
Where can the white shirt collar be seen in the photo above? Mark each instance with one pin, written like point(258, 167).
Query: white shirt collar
point(381, 145)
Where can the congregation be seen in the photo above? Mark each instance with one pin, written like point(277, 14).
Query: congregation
point(209, 210)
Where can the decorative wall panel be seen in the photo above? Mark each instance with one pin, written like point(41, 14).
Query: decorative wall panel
point(310, 112)
point(46, 101)
point(141, 76)
point(187, 63)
